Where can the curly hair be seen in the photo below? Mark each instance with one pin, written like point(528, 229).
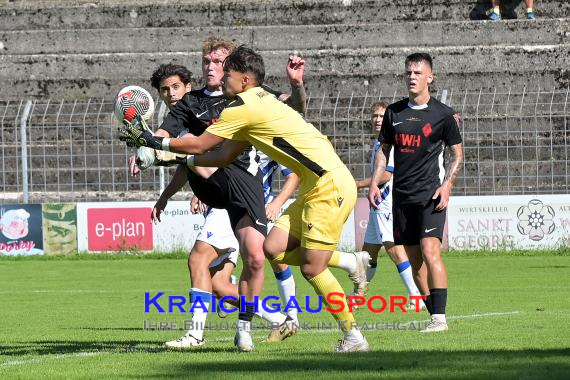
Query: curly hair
point(168, 70)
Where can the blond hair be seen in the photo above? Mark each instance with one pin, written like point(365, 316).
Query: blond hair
point(377, 105)
point(214, 43)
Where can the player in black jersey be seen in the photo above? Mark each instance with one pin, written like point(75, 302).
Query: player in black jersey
point(419, 128)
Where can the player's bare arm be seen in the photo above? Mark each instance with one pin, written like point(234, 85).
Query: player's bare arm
point(361, 183)
point(380, 162)
point(178, 181)
point(196, 145)
point(295, 73)
point(452, 171)
point(138, 134)
point(273, 209)
point(222, 155)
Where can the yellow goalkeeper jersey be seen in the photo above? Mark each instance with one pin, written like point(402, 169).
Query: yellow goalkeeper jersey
point(276, 129)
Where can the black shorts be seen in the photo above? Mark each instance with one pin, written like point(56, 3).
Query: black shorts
point(415, 221)
point(235, 190)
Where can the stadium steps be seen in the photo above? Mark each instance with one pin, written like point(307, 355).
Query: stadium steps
point(329, 71)
point(287, 38)
point(76, 50)
point(57, 14)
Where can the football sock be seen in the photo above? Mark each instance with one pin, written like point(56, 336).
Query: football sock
point(353, 335)
point(292, 257)
point(244, 319)
point(529, 10)
point(343, 260)
point(405, 270)
point(272, 316)
point(286, 288)
point(427, 302)
point(497, 10)
point(199, 315)
point(325, 283)
point(438, 301)
point(370, 272)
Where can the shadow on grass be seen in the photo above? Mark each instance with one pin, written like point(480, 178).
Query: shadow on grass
point(57, 347)
point(516, 364)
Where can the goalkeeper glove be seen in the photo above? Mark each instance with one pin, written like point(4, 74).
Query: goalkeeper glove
point(136, 133)
point(179, 160)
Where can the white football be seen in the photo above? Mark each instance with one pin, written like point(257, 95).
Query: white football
point(132, 101)
point(145, 157)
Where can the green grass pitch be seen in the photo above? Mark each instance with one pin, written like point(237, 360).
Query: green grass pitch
point(82, 317)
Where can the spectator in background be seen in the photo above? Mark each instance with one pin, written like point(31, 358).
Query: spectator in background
point(495, 11)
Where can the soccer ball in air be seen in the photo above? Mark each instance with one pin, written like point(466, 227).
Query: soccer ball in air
point(132, 101)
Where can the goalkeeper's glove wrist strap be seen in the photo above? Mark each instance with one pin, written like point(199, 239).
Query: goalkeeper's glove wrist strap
point(166, 144)
point(190, 160)
point(153, 142)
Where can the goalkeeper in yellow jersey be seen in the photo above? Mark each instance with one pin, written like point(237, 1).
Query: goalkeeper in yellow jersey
point(309, 230)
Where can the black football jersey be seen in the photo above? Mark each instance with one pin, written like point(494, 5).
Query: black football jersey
point(195, 112)
point(419, 136)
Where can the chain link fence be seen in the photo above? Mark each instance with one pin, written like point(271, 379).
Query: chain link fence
point(516, 142)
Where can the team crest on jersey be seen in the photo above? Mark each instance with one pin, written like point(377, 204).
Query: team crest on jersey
point(309, 226)
point(340, 200)
point(427, 129)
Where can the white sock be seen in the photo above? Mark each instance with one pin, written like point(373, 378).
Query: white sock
point(199, 315)
point(347, 262)
point(439, 318)
point(286, 288)
point(244, 326)
point(276, 317)
point(353, 335)
point(405, 270)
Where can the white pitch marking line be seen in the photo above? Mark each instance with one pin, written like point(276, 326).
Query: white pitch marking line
point(48, 357)
point(483, 315)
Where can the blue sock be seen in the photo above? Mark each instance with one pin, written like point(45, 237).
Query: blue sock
point(403, 266)
point(282, 276)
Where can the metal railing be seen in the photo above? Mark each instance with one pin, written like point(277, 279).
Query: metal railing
point(516, 142)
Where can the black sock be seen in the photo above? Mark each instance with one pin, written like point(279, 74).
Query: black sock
point(248, 315)
point(428, 304)
point(438, 300)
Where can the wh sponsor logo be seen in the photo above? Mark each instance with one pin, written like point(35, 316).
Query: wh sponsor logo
point(406, 139)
